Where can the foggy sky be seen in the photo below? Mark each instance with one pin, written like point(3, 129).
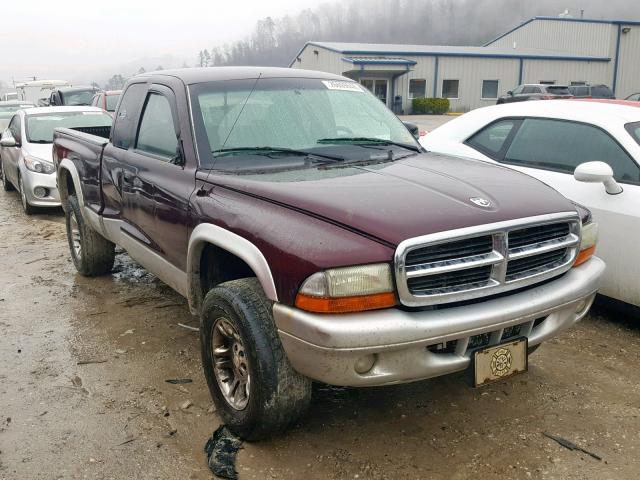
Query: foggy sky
point(83, 41)
point(78, 40)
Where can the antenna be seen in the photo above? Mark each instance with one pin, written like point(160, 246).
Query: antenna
point(246, 100)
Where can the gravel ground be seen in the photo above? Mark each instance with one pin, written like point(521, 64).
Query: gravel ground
point(62, 416)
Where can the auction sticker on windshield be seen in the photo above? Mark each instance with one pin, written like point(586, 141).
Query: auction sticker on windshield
point(341, 85)
point(496, 363)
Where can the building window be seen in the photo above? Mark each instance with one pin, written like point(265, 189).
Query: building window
point(547, 82)
point(450, 88)
point(578, 83)
point(489, 89)
point(417, 88)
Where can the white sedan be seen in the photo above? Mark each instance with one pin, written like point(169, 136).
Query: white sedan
point(587, 150)
point(26, 162)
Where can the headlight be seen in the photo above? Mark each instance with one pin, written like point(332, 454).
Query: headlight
point(349, 289)
point(38, 165)
point(588, 241)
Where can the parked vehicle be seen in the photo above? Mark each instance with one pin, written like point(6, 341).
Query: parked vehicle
point(72, 96)
point(107, 100)
point(38, 89)
point(586, 149)
point(8, 110)
point(589, 90)
point(25, 150)
point(317, 240)
point(9, 96)
point(535, 91)
point(634, 97)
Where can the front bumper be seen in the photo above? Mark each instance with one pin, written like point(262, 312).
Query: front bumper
point(31, 180)
point(404, 344)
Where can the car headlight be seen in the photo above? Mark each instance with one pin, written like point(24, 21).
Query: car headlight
point(348, 289)
point(588, 241)
point(38, 165)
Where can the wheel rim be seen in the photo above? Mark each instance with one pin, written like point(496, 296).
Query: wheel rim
point(230, 364)
point(75, 235)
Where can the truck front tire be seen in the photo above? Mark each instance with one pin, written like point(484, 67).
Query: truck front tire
point(256, 390)
point(92, 254)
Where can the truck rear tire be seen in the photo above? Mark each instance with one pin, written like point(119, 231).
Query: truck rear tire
point(254, 387)
point(92, 254)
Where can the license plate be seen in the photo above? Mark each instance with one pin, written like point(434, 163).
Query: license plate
point(496, 363)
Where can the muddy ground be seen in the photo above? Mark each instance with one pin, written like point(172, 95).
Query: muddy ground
point(62, 419)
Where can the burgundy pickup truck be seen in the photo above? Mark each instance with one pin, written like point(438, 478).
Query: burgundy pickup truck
point(317, 240)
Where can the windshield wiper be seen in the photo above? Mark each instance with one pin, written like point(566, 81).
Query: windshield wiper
point(268, 150)
point(369, 140)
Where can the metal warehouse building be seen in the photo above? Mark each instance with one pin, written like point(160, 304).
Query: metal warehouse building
point(560, 50)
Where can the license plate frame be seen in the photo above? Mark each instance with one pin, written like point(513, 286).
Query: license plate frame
point(498, 362)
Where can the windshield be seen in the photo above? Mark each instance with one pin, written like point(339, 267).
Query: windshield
point(308, 115)
point(40, 127)
point(79, 97)
point(112, 102)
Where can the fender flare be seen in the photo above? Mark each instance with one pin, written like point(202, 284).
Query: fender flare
point(207, 233)
point(69, 166)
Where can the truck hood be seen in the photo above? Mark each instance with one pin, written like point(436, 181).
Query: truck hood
point(393, 201)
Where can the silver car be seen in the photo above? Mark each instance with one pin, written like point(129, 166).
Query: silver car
point(26, 153)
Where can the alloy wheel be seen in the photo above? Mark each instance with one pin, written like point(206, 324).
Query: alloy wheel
point(75, 235)
point(230, 363)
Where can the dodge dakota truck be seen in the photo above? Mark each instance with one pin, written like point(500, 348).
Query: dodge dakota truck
point(317, 240)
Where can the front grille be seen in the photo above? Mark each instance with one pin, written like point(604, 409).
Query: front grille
point(476, 262)
point(463, 279)
point(540, 233)
point(447, 251)
point(535, 263)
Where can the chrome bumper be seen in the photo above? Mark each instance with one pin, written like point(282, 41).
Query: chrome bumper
point(329, 348)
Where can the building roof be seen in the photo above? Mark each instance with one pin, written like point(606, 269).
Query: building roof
point(378, 61)
point(355, 49)
point(564, 19)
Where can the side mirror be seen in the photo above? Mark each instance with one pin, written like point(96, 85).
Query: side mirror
point(597, 172)
point(510, 92)
point(8, 142)
point(413, 128)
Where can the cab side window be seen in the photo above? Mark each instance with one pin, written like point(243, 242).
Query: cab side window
point(563, 145)
point(125, 120)
point(157, 134)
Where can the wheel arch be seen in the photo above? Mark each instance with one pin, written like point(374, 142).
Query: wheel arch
point(68, 181)
point(206, 238)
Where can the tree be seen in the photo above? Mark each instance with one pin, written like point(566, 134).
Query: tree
point(116, 82)
point(141, 70)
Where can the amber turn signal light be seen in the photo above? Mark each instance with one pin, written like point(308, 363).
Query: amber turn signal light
point(584, 255)
point(358, 303)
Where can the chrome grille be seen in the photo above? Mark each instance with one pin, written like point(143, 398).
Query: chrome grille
point(479, 261)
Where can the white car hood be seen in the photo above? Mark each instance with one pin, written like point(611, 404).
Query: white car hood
point(43, 151)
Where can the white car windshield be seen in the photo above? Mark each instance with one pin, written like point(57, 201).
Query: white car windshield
point(39, 128)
